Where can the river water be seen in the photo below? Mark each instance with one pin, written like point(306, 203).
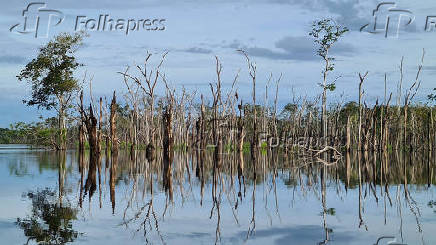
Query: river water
point(57, 198)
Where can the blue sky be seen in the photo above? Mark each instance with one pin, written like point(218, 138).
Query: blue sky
point(274, 33)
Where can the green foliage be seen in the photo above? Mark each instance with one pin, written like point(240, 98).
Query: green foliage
point(289, 110)
point(51, 72)
point(432, 97)
point(229, 147)
point(37, 133)
point(331, 86)
point(180, 147)
point(326, 33)
point(249, 110)
point(6, 136)
point(246, 147)
point(331, 211)
point(264, 145)
point(350, 109)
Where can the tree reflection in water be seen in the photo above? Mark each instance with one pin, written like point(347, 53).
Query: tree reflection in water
point(49, 222)
point(238, 184)
point(147, 194)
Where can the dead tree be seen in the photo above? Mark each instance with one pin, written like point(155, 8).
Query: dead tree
point(252, 72)
point(168, 140)
point(216, 122)
point(91, 124)
point(100, 125)
point(409, 97)
point(168, 151)
point(348, 143)
point(81, 127)
point(362, 79)
point(147, 83)
point(113, 125)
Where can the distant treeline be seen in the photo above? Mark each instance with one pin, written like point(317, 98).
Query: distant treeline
point(8, 136)
point(379, 123)
point(36, 133)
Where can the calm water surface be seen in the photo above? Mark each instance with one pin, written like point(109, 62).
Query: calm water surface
point(59, 198)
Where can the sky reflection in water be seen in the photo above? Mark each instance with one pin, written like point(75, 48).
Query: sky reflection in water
point(287, 199)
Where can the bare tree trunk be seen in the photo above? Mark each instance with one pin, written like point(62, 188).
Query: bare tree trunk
point(359, 140)
point(275, 107)
point(113, 125)
point(62, 127)
point(431, 131)
point(241, 133)
point(252, 72)
point(91, 126)
point(100, 122)
point(81, 127)
point(348, 134)
point(168, 152)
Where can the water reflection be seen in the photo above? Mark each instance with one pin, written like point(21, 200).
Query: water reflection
point(50, 222)
point(276, 196)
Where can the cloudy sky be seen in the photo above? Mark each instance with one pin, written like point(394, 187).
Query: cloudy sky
point(274, 33)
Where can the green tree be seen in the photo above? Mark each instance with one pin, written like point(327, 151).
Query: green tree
point(326, 33)
point(6, 136)
point(350, 109)
point(289, 110)
point(51, 75)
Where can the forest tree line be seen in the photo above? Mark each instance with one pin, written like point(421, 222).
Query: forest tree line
point(182, 119)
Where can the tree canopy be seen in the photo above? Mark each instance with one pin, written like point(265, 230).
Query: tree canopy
point(51, 72)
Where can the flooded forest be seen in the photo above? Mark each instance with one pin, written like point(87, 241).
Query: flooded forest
point(160, 164)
